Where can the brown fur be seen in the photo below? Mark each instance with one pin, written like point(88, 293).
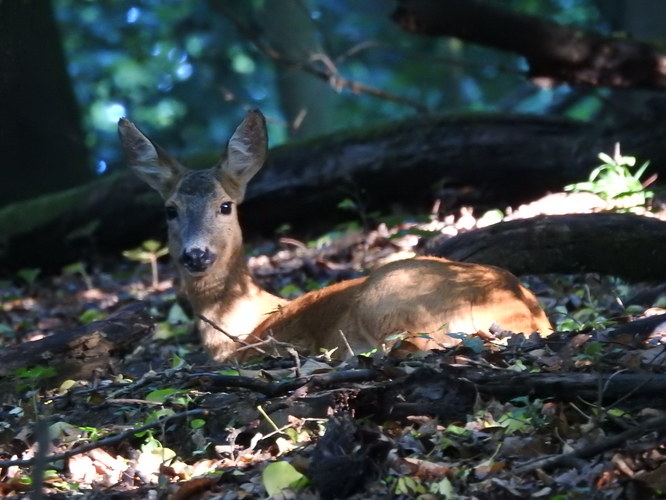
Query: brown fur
point(413, 297)
point(426, 295)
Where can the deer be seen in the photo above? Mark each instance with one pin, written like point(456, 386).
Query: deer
point(419, 301)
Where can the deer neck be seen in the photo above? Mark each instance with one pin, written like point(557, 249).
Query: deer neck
point(231, 300)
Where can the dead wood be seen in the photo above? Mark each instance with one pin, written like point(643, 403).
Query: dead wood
point(624, 245)
point(573, 458)
point(81, 353)
point(217, 382)
point(575, 386)
point(490, 161)
point(554, 53)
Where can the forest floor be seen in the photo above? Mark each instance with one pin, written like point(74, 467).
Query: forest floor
point(580, 414)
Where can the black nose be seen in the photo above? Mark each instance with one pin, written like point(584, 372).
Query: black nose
point(197, 260)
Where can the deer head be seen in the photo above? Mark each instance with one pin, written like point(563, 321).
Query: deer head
point(200, 205)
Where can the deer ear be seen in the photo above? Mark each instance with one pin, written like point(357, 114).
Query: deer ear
point(149, 162)
point(246, 153)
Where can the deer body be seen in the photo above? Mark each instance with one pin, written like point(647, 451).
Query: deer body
point(423, 295)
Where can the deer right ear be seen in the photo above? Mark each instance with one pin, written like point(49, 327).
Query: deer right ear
point(148, 161)
point(246, 153)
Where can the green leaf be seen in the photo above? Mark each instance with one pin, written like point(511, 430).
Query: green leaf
point(76, 267)
point(347, 204)
point(444, 488)
point(177, 315)
point(151, 245)
point(161, 395)
point(29, 275)
point(606, 159)
point(197, 423)
point(280, 475)
point(38, 372)
point(138, 255)
point(91, 315)
point(290, 291)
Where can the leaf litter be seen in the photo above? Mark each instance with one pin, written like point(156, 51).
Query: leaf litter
point(479, 420)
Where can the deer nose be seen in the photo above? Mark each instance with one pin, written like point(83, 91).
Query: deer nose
point(196, 260)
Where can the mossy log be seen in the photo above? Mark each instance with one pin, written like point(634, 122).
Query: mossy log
point(624, 245)
point(490, 161)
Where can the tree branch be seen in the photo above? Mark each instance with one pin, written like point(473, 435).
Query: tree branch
point(326, 70)
point(554, 53)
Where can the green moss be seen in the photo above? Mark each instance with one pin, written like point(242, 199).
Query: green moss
point(25, 216)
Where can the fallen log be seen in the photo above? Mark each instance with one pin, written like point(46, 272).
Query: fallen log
point(82, 353)
point(498, 160)
point(624, 245)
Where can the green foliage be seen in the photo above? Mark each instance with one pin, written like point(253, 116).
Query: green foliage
point(197, 423)
point(409, 486)
point(177, 396)
point(278, 476)
point(29, 275)
point(90, 315)
point(290, 291)
point(78, 268)
point(183, 68)
point(35, 373)
point(177, 323)
point(583, 318)
point(348, 204)
point(32, 377)
point(525, 416)
point(614, 180)
point(152, 446)
point(148, 253)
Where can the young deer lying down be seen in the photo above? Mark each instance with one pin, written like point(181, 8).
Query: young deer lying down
point(415, 296)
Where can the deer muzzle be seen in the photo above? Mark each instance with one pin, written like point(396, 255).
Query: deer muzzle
point(196, 260)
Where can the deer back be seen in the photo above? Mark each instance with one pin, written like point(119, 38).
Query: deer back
point(413, 297)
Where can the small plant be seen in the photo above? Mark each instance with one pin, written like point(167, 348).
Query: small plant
point(29, 275)
point(614, 180)
point(79, 268)
point(148, 253)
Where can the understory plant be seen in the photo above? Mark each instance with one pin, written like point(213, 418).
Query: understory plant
point(614, 180)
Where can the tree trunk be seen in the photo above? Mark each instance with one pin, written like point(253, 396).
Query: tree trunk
point(506, 160)
point(554, 53)
point(41, 141)
point(305, 100)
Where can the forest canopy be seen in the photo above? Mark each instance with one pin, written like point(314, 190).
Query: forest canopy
point(187, 70)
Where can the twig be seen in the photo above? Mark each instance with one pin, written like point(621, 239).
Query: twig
point(272, 389)
point(329, 75)
point(105, 441)
point(269, 340)
point(40, 459)
point(344, 339)
point(222, 330)
point(646, 427)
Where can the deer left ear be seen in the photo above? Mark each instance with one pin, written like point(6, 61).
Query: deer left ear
point(148, 161)
point(246, 153)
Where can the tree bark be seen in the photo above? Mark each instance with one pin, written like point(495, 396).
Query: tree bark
point(306, 101)
point(503, 160)
point(41, 140)
point(81, 353)
point(624, 245)
point(554, 53)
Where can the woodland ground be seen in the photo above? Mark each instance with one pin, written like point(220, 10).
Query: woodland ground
point(491, 418)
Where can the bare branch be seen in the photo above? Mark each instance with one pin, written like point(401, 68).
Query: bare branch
point(328, 74)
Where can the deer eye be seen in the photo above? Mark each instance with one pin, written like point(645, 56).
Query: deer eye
point(171, 212)
point(225, 208)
